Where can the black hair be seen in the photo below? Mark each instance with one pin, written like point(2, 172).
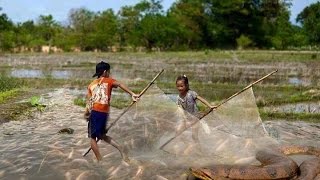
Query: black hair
point(184, 78)
point(101, 67)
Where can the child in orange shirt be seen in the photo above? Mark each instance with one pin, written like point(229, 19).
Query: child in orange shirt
point(98, 106)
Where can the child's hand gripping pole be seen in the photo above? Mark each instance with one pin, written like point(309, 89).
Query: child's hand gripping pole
point(134, 97)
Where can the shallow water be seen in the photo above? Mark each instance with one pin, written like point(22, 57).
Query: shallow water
point(32, 149)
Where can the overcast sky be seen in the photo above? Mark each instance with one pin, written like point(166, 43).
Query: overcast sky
point(23, 10)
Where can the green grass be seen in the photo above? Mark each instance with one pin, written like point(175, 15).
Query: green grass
point(120, 102)
point(8, 83)
point(7, 95)
point(128, 59)
point(307, 117)
point(266, 95)
point(117, 102)
point(79, 101)
point(44, 83)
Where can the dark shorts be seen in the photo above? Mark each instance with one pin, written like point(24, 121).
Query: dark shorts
point(97, 124)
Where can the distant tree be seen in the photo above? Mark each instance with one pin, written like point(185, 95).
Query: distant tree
point(105, 33)
point(129, 22)
point(310, 20)
point(81, 21)
point(283, 37)
point(142, 24)
point(47, 28)
point(25, 34)
point(65, 39)
point(5, 22)
point(7, 34)
point(151, 16)
point(190, 19)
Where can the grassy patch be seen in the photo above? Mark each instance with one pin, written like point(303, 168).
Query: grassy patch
point(8, 83)
point(307, 117)
point(266, 95)
point(44, 83)
point(119, 101)
point(79, 101)
point(6, 95)
point(278, 95)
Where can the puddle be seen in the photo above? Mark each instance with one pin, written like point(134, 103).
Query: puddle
point(56, 74)
point(26, 73)
point(298, 81)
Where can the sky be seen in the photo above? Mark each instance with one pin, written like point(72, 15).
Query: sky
point(23, 10)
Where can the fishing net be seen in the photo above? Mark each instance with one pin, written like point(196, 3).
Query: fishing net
point(228, 135)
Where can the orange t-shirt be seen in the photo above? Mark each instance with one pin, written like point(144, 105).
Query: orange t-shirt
point(99, 92)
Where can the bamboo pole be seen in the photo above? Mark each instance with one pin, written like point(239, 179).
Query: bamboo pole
point(127, 109)
point(226, 100)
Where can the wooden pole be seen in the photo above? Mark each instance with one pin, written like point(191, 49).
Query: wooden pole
point(226, 100)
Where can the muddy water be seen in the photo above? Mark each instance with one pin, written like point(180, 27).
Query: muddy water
point(32, 149)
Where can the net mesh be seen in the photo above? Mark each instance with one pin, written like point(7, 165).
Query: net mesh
point(230, 134)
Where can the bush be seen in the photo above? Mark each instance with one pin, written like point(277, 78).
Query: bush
point(243, 42)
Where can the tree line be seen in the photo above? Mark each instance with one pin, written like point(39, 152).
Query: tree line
point(186, 25)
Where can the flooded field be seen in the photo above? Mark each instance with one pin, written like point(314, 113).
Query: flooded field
point(32, 148)
point(223, 68)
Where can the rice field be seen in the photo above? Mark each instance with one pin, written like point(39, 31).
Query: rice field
point(215, 75)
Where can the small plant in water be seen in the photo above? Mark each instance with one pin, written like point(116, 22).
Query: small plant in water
point(35, 102)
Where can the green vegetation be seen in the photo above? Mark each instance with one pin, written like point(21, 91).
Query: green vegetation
point(308, 117)
point(267, 95)
point(35, 102)
point(6, 95)
point(9, 88)
point(119, 101)
point(187, 25)
point(8, 83)
point(79, 101)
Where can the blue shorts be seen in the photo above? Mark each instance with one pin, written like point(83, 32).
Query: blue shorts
point(97, 124)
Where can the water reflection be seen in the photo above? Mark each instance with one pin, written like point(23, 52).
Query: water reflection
point(26, 73)
point(61, 74)
point(299, 81)
point(56, 74)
